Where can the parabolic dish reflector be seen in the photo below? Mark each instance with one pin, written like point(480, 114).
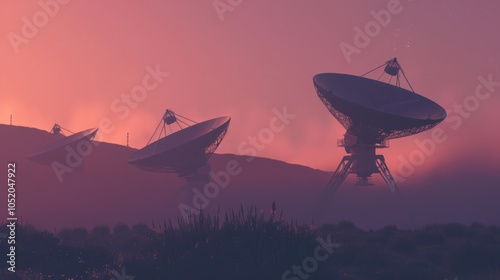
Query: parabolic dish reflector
point(373, 110)
point(184, 151)
point(58, 149)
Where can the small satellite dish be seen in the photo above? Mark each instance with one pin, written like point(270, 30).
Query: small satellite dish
point(372, 112)
point(56, 129)
point(57, 146)
point(182, 152)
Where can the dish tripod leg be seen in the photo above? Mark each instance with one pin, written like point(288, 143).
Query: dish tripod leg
point(339, 176)
point(386, 174)
point(343, 169)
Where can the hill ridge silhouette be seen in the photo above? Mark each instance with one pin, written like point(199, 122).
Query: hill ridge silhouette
point(107, 190)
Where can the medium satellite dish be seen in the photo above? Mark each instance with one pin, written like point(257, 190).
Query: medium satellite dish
point(372, 112)
point(182, 152)
point(56, 149)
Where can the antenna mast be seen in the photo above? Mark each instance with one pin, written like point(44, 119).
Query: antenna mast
point(393, 69)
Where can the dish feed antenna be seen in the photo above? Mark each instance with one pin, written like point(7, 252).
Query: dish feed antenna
point(184, 151)
point(373, 112)
point(57, 147)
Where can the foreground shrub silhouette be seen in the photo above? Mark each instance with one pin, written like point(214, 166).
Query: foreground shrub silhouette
point(254, 244)
point(41, 254)
point(245, 244)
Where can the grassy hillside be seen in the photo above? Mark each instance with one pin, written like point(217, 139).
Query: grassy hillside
point(253, 244)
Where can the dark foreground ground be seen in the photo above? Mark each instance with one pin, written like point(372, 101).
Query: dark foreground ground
point(254, 244)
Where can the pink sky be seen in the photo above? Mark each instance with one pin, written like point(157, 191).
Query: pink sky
point(261, 56)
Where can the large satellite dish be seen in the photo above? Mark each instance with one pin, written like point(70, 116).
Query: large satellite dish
point(182, 152)
point(58, 144)
point(372, 112)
